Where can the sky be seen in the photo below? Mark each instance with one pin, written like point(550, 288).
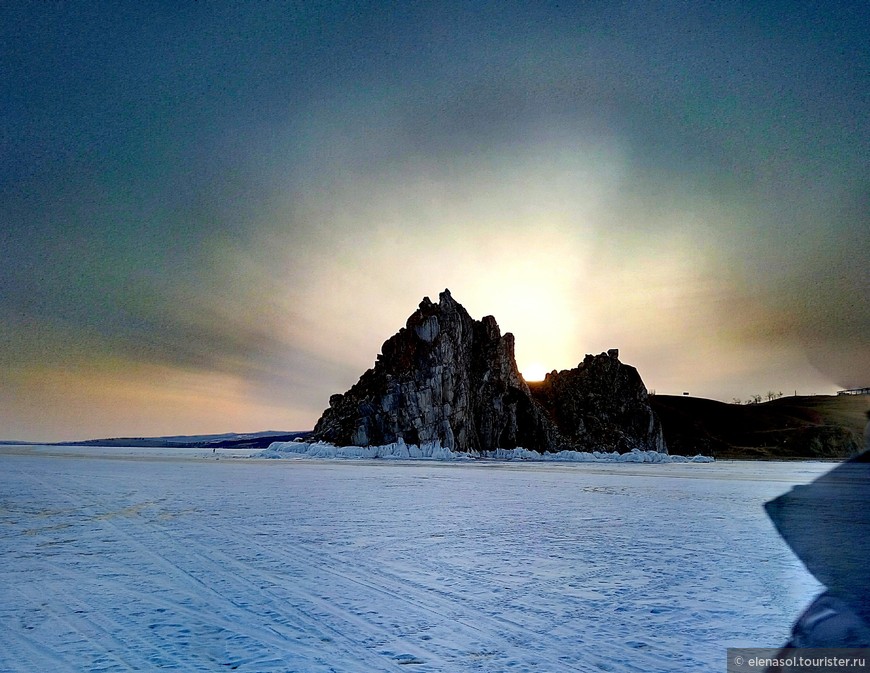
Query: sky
point(212, 215)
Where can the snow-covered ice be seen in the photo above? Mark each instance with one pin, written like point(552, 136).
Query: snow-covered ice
point(120, 560)
point(434, 451)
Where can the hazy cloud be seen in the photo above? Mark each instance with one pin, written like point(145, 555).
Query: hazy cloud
point(247, 203)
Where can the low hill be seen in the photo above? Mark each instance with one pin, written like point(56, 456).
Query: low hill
point(821, 426)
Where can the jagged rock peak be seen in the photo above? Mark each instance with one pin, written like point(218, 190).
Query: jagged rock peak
point(445, 377)
point(449, 378)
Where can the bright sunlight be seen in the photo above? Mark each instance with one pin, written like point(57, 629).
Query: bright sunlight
point(534, 372)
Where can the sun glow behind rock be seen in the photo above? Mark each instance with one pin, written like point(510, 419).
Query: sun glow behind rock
point(512, 239)
point(534, 372)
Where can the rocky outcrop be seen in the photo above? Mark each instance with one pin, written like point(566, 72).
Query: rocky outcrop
point(600, 405)
point(443, 377)
point(449, 378)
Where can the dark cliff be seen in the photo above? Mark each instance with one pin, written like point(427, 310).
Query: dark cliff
point(449, 378)
point(443, 377)
point(602, 405)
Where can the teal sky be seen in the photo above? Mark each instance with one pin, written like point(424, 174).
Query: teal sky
point(213, 214)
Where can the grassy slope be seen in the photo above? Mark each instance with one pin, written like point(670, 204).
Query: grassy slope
point(821, 426)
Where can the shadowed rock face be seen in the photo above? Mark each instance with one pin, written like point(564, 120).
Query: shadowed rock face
point(444, 377)
point(601, 405)
point(449, 378)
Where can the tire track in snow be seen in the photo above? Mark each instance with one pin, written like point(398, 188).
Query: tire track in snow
point(235, 611)
point(216, 613)
point(102, 634)
point(21, 652)
point(439, 608)
point(336, 574)
point(317, 613)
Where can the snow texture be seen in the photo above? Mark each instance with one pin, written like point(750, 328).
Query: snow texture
point(434, 451)
point(172, 559)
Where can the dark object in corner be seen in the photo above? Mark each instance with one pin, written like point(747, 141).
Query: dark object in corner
point(827, 525)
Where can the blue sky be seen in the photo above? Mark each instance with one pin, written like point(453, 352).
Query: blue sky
point(213, 214)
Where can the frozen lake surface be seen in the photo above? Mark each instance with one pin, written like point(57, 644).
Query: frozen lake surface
point(137, 559)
